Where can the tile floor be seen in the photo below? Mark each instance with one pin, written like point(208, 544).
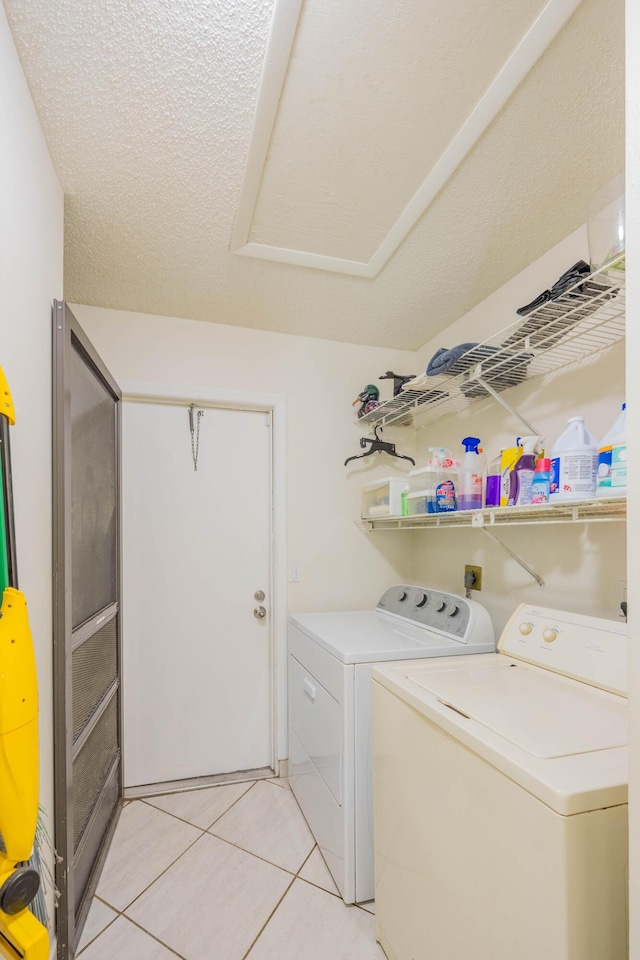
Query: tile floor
point(224, 873)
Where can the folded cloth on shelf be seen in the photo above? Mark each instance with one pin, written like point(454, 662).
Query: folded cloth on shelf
point(443, 360)
point(558, 310)
point(500, 369)
point(568, 279)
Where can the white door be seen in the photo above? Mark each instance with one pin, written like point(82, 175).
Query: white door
point(197, 674)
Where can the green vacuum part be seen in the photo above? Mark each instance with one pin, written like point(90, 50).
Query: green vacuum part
point(4, 561)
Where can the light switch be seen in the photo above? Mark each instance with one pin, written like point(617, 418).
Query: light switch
point(294, 571)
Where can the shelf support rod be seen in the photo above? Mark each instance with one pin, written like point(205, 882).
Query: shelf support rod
point(507, 406)
point(514, 556)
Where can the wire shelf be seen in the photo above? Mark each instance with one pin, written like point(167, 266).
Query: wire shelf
point(570, 511)
point(588, 318)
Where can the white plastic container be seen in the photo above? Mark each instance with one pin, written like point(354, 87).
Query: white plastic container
point(574, 462)
point(612, 459)
point(418, 503)
point(383, 498)
point(419, 479)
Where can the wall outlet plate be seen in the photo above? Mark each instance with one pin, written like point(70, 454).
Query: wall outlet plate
point(477, 571)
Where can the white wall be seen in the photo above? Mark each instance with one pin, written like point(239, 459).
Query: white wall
point(31, 244)
point(342, 567)
point(633, 354)
point(580, 563)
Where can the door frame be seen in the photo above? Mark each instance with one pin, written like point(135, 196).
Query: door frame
point(276, 405)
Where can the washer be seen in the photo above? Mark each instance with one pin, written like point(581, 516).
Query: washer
point(500, 797)
point(330, 660)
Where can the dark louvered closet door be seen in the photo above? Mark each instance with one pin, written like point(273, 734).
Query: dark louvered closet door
point(87, 618)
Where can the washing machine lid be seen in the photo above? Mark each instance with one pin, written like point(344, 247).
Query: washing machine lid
point(369, 636)
point(546, 715)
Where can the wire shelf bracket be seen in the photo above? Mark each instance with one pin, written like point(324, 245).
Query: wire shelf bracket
point(514, 556)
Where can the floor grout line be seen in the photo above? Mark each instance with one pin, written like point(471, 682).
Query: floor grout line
point(162, 873)
point(293, 877)
point(93, 939)
point(269, 919)
point(236, 846)
point(157, 939)
point(149, 803)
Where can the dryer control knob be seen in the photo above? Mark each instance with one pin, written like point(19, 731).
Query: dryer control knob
point(525, 628)
point(402, 595)
point(440, 607)
point(421, 599)
point(453, 609)
point(549, 635)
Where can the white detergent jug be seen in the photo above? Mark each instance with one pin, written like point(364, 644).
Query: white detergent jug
point(574, 463)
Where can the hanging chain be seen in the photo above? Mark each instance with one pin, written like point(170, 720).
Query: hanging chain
point(195, 433)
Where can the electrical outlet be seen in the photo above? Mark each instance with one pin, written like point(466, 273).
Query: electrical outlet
point(477, 572)
point(622, 596)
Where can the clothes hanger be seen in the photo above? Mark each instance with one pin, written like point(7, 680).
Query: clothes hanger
point(378, 446)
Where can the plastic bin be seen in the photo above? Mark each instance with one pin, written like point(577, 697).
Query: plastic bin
point(417, 503)
point(383, 498)
point(418, 479)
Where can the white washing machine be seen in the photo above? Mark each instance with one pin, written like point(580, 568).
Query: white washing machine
point(500, 797)
point(330, 660)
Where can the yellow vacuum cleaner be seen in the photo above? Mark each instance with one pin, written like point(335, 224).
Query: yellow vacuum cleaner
point(22, 936)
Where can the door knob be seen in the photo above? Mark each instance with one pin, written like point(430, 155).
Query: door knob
point(259, 613)
point(259, 596)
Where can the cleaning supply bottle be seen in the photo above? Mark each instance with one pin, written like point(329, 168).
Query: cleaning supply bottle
point(471, 478)
point(442, 482)
point(574, 463)
point(541, 483)
point(492, 491)
point(611, 479)
point(521, 479)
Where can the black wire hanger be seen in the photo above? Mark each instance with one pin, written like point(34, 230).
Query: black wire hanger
point(378, 446)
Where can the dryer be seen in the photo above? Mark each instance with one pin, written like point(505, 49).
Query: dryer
point(329, 678)
point(500, 796)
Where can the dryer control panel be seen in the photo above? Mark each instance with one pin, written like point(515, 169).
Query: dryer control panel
point(589, 649)
point(447, 613)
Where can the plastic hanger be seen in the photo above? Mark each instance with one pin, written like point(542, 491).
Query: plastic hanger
point(378, 446)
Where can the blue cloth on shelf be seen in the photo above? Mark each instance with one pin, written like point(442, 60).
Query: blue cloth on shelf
point(500, 369)
point(443, 359)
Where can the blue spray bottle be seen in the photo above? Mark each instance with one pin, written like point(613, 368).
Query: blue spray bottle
point(471, 477)
point(521, 477)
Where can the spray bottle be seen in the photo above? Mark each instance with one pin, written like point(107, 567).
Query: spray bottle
point(471, 480)
point(441, 483)
point(521, 477)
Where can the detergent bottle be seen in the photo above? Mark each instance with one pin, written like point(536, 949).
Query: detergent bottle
point(612, 459)
point(574, 463)
point(492, 491)
point(521, 478)
point(442, 482)
point(471, 477)
point(541, 481)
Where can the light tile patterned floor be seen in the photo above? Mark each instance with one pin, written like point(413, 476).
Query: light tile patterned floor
point(223, 873)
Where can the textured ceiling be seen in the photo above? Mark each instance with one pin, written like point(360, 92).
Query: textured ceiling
point(147, 109)
point(374, 94)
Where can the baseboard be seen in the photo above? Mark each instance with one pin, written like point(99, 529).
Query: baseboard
point(197, 783)
point(283, 768)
